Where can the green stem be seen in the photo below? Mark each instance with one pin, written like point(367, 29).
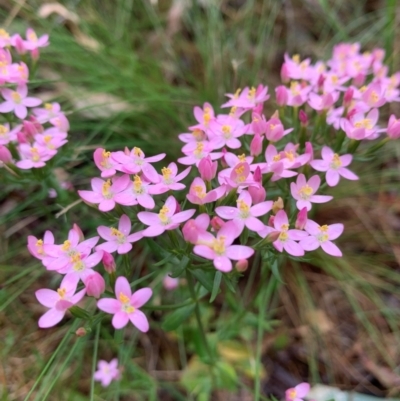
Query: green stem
point(190, 282)
point(96, 347)
point(265, 298)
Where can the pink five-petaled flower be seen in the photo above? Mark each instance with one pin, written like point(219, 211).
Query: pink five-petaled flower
point(169, 180)
point(107, 372)
point(220, 250)
point(104, 162)
point(287, 238)
point(126, 306)
point(198, 195)
point(16, 100)
point(32, 42)
point(36, 246)
point(104, 192)
point(334, 165)
point(245, 214)
point(58, 301)
point(303, 191)
point(118, 240)
point(297, 393)
point(166, 219)
point(32, 157)
point(321, 236)
point(137, 191)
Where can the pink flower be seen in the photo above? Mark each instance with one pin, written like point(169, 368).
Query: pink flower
point(393, 129)
point(301, 219)
point(169, 180)
point(303, 191)
point(58, 301)
point(198, 195)
point(197, 135)
point(204, 117)
point(275, 131)
point(126, 306)
point(323, 102)
point(136, 192)
point(245, 214)
point(5, 39)
point(47, 113)
point(95, 285)
point(104, 192)
point(256, 145)
point(170, 283)
point(226, 130)
point(334, 165)
point(196, 151)
point(360, 126)
point(7, 136)
point(118, 240)
point(107, 372)
point(36, 246)
point(32, 157)
point(16, 101)
point(281, 95)
point(32, 42)
point(207, 168)
point(104, 162)
point(220, 250)
point(108, 262)
point(166, 219)
point(286, 238)
point(248, 98)
point(321, 236)
point(195, 227)
point(297, 393)
point(134, 162)
point(5, 155)
point(374, 96)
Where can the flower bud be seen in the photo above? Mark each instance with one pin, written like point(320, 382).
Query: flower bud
point(285, 76)
point(393, 129)
point(257, 175)
point(303, 118)
point(257, 193)
point(258, 124)
point(271, 220)
point(258, 109)
point(256, 145)
point(301, 219)
point(281, 96)
point(309, 151)
point(170, 283)
point(81, 332)
point(21, 137)
point(278, 205)
point(95, 285)
point(108, 262)
point(217, 223)
point(348, 97)
point(242, 265)
point(190, 232)
point(207, 168)
point(79, 231)
point(5, 154)
point(178, 206)
point(321, 80)
point(272, 237)
point(359, 79)
point(224, 164)
point(18, 43)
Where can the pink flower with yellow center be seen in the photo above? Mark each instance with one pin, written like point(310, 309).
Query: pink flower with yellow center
point(198, 194)
point(17, 101)
point(107, 372)
point(126, 306)
point(32, 156)
point(303, 191)
point(297, 393)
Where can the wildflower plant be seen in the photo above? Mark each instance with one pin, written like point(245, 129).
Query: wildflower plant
point(244, 193)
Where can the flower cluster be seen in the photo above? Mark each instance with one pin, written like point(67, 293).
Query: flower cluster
point(29, 135)
point(254, 182)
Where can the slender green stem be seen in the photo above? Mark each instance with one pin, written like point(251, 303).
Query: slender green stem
point(96, 347)
point(265, 295)
point(190, 282)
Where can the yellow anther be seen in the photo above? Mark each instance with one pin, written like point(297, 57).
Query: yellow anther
point(75, 258)
point(289, 155)
point(78, 266)
point(283, 236)
point(242, 158)
point(272, 126)
point(105, 190)
point(276, 158)
point(47, 138)
point(374, 96)
point(363, 89)
point(198, 134)
point(334, 79)
point(294, 88)
point(166, 172)
point(252, 93)
point(336, 163)
point(365, 123)
point(207, 115)
point(61, 292)
point(106, 154)
point(39, 242)
point(162, 214)
point(116, 233)
point(123, 298)
point(137, 151)
point(137, 183)
point(199, 149)
point(237, 93)
point(324, 228)
point(3, 129)
point(226, 129)
point(32, 36)
point(66, 246)
point(4, 34)
point(306, 191)
point(243, 207)
point(199, 190)
point(292, 394)
point(233, 111)
point(239, 170)
point(218, 245)
point(296, 58)
point(16, 97)
point(48, 106)
point(39, 246)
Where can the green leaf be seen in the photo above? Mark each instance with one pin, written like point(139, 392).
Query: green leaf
point(216, 285)
point(180, 268)
point(229, 283)
point(175, 319)
point(205, 278)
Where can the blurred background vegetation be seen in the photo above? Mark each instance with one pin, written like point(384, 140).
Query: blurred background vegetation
point(128, 73)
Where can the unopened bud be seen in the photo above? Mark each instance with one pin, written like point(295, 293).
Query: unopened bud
point(278, 205)
point(81, 332)
point(303, 118)
point(301, 219)
point(281, 96)
point(190, 232)
point(285, 76)
point(108, 262)
point(217, 223)
point(321, 80)
point(224, 164)
point(170, 283)
point(272, 236)
point(207, 168)
point(393, 129)
point(257, 193)
point(348, 97)
point(95, 285)
point(309, 151)
point(5, 154)
point(257, 175)
point(242, 265)
point(271, 220)
point(79, 231)
point(256, 145)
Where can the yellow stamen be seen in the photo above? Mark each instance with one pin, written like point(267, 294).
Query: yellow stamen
point(48, 106)
point(233, 111)
point(305, 192)
point(16, 97)
point(163, 214)
point(199, 149)
point(336, 163)
point(137, 151)
point(198, 134)
point(226, 129)
point(244, 208)
point(61, 292)
point(123, 298)
point(66, 246)
point(296, 58)
point(295, 88)
point(252, 93)
point(105, 190)
point(75, 258)
point(283, 236)
point(166, 172)
point(47, 138)
point(198, 189)
point(207, 115)
point(218, 245)
point(39, 246)
point(363, 89)
point(289, 155)
point(4, 34)
point(137, 183)
point(374, 96)
point(242, 158)
point(292, 394)
point(334, 79)
point(276, 158)
point(106, 154)
point(32, 36)
point(3, 130)
point(365, 123)
point(237, 93)
point(239, 170)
